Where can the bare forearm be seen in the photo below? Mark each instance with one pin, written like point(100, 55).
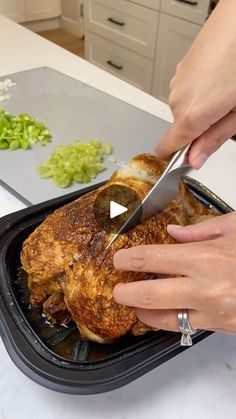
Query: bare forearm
point(219, 32)
point(203, 90)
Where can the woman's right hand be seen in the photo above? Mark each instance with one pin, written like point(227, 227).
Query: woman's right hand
point(203, 91)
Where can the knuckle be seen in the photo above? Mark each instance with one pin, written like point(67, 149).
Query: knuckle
point(211, 252)
point(221, 295)
point(213, 140)
point(191, 118)
point(137, 263)
point(219, 290)
point(144, 296)
point(138, 258)
point(173, 97)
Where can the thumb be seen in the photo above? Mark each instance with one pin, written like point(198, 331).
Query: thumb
point(212, 139)
point(172, 140)
point(180, 133)
point(206, 230)
point(205, 141)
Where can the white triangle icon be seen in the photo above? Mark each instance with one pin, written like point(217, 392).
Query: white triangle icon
point(116, 209)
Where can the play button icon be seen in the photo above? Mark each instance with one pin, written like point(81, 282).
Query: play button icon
point(116, 209)
point(114, 206)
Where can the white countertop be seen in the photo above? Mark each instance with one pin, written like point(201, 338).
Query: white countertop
point(199, 383)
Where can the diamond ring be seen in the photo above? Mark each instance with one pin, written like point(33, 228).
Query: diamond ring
point(185, 328)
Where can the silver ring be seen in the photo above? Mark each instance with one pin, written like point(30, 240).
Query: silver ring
point(185, 328)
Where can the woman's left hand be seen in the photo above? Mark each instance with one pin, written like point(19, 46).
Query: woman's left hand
point(205, 265)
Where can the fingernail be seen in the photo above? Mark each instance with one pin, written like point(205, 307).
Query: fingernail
point(119, 259)
point(199, 160)
point(173, 227)
point(117, 293)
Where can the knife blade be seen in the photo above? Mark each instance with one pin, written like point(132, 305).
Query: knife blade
point(163, 192)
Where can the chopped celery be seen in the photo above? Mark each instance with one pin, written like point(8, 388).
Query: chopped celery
point(21, 131)
point(111, 159)
point(62, 180)
point(107, 148)
point(3, 144)
point(44, 171)
point(76, 162)
point(14, 145)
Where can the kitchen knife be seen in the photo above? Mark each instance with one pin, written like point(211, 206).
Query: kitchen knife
point(164, 191)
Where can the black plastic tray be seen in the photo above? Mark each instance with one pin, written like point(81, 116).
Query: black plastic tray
point(88, 368)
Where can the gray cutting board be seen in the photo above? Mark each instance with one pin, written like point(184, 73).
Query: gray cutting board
point(71, 110)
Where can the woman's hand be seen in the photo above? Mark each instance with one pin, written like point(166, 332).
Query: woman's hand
point(205, 262)
point(203, 91)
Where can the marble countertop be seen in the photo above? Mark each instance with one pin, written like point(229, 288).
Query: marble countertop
point(199, 383)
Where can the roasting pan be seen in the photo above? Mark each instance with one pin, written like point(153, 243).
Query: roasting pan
point(56, 357)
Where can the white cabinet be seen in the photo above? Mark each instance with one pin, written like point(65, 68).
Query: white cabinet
point(72, 17)
point(120, 37)
point(29, 10)
point(119, 61)
point(42, 9)
point(193, 10)
point(175, 36)
point(152, 4)
point(124, 23)
point(142, 41)
point(14, 9)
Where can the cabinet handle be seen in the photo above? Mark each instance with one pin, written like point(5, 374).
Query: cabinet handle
point(192, 3)
point(116, 22)
point(116, 66)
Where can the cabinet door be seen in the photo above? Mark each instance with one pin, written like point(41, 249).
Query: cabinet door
point(127, 24)
point(174, 39)
point(14, 9)
point(193, 10)
point(42, 9)
point(152, 4)
point(119, 61)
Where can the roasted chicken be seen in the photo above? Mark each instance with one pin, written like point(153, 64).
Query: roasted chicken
point(70, 271)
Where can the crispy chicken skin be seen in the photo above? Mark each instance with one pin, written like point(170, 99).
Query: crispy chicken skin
point(70, 273)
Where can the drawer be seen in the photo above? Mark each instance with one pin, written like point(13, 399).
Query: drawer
point(193, 10)
point(122, 63)
point(152, 4)
point(124, 23)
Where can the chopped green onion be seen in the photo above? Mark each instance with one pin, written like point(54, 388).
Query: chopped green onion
point(21, 131)
point(76, 162)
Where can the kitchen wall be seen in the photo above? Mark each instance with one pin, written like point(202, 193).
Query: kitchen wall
point(71, 19)
point(70, 9)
